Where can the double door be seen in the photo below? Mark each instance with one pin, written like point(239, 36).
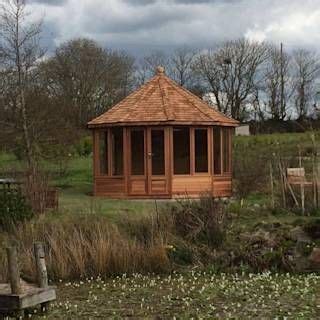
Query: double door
point(148, 161)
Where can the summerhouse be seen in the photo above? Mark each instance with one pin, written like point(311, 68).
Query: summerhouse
point(162, 141)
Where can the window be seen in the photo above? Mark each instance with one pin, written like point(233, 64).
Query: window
point(201, 150)
point(137, 152)
point(117, 151)
point(226, 150)
point(157, 147)
point(221, 147)
point(217, 150)
point(103, 152)
point(181, 150)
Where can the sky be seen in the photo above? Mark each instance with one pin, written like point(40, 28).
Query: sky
point(142, 26)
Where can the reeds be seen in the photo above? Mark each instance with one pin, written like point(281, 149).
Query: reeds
point(81, 247)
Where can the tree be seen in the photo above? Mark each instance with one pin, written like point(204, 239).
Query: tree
point(277, 85)
point(306, 70)
point(232, 73)
point(87, 78)
point(146, 67)
point(181, 62)
point(20, 53)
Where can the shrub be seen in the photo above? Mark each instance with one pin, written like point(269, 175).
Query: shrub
point(250, 171)
point(35, 188)
point(312, 228)
point(202, 221)
point(84, 146)
point(13, 208)
point(181, 253)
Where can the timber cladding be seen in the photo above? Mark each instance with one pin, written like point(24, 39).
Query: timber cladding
point(167, 184)
point(162, 142)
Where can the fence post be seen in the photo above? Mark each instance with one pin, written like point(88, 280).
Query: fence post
point(13, 269)
point(42, 275)
point(271, 185)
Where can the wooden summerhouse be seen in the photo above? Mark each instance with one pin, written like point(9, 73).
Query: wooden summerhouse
point(162, 142)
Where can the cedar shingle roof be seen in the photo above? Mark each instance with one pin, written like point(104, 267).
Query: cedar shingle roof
point(162, 101)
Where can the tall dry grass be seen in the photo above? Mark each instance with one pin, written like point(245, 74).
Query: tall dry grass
point(80, 247)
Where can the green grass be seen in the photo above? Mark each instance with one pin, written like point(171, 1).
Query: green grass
point(75, 184)
point(75, 188)
point(193, 294)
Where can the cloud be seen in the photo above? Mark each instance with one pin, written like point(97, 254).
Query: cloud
point(140, 2)
point(297, 27)
point(50, 2)
point(144, 25)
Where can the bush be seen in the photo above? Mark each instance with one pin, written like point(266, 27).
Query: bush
point(202, 221)
point(250, 170)
point(13, 208)
point(84, 146)
point(312, 228)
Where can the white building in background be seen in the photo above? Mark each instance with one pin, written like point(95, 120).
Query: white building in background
point(242, 130)
point(210, 99)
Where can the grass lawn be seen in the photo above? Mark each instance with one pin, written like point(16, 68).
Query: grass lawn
point(75, 184)
point(75, 187)
point(190, 295)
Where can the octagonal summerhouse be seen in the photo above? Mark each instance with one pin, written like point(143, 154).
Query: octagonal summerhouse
point(162, 141)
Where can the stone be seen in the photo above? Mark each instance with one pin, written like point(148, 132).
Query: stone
point(299, 235)
point(314, 257)
point(260, 238)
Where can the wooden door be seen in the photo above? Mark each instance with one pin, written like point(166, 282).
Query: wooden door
point(158, 164)
point(137, 167)
point(148, 161)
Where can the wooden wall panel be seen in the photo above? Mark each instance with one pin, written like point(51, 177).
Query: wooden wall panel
point(159, 186)
point(222, 186)
point(105, 186)
point(137, 186)
point(191, 184)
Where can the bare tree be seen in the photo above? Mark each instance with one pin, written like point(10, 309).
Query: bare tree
point(232, 74)
point(208, 68)
point(19, 53)
point(87, 78)
point(146, 66)
point(306, 70)
point(180, 62)
point(277, 84)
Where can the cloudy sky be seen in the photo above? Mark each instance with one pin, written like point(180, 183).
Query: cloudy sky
point(140, 26)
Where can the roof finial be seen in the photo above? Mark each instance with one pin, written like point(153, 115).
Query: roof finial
point(160, 70)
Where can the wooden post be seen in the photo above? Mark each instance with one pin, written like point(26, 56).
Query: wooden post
point(288, 185)
point(318, 182)
point(283, 191)
point(13, 269)
point(271, 185)
point(314, 183)
point(42, 275)
point(301, 185)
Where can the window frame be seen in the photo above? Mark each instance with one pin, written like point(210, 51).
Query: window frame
point(222, 150)
point(190, 152)
point(97, 140)
point(163, 129)
point(193, 164)
point(131, 129)
point(109, 152)
point(111, 157)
